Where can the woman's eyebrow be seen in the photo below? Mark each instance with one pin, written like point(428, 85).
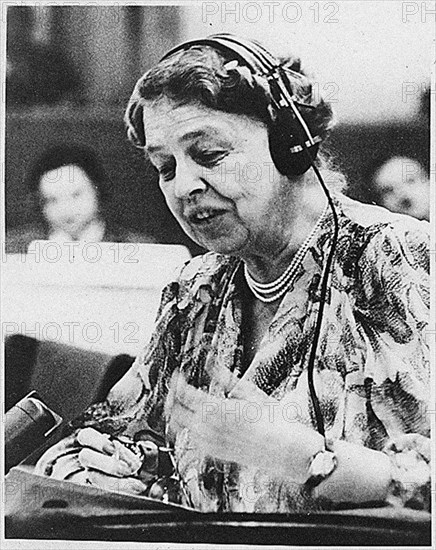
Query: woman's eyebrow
point(205, 132)
point(209, 132)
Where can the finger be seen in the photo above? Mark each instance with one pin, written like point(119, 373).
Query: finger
point(410, 441)
point(107, 464)
point(405, 441)
point(115, 484)
point(81, 476)
point(88, 437)
point(402, 442)
point(109, 483)
point(65, 466)
point(126, 455)
point(50, 458)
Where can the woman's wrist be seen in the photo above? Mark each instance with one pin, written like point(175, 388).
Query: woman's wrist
point(361, 475)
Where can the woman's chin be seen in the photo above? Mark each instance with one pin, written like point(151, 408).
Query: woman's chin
point(221, 236)
point(219, 245)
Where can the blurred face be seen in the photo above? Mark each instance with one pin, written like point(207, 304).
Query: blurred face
point(70, 201)
point(404, 187)
point(218, 178)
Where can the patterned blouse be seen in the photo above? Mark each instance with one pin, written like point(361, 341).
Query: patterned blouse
point(372, 369)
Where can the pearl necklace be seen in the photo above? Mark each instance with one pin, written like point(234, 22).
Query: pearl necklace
point(270, 292)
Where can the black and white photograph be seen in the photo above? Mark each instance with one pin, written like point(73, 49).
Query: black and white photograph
point(218, 258)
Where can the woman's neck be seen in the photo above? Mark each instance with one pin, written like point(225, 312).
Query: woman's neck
point(92, 231)
point(267, 267)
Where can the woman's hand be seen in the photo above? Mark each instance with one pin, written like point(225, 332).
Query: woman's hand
point(108, 463)
point(411, 442)
point(257, 431)
point(90, 457)
point(104, 455)
point(251, 429)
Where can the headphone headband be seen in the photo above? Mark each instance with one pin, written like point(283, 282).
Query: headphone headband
point(292, 130)
point(249, 53)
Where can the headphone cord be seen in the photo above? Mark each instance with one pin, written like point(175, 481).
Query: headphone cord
point(323, 297)
point(281, 83)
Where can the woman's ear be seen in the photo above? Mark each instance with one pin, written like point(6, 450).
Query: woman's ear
point(135, 124)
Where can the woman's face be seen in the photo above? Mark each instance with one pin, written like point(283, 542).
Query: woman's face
point(218, 178)
point(70, 201)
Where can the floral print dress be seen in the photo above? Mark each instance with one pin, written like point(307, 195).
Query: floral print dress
point(372, 371)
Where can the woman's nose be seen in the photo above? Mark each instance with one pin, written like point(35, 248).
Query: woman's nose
point(188, 180)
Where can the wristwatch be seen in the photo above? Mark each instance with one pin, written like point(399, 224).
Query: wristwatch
point(322, 465)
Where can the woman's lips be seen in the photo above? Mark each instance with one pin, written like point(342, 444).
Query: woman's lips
point(204, 216)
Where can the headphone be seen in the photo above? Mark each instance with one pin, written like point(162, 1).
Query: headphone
point(293, 149)
point(289, 135)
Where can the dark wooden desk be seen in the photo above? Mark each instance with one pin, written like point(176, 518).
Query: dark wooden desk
point(43, 508)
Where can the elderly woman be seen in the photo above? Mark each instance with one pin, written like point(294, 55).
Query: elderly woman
point(288, 369)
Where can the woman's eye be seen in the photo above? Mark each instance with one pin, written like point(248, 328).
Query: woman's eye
point(209, 158)
point(166, 172)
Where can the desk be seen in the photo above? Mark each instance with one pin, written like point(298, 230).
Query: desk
point(43, 508)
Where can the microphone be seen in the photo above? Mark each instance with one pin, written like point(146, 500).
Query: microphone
point(28, 424)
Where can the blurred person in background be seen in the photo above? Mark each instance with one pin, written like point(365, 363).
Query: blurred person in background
point(402, 185)
point(72, 196)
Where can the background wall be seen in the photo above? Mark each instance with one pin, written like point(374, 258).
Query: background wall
point(371, 57)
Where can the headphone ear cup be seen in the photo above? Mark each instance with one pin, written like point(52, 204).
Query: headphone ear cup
point(283, 135)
